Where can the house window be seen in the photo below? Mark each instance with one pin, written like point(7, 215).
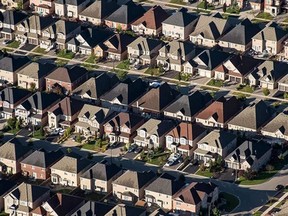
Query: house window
point(182, 141)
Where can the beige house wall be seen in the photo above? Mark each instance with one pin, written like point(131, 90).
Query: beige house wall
point(240, 128)
point(177, 31)
point(118, 190)
point(210, 123)
point(13, 167)
point(163, 200)
point(66, 178)
point(202, 41)
point(25, 81)
point(10, 77)
point(146, 31)
point(180, 206)
point(238, 47)
point(92, 20)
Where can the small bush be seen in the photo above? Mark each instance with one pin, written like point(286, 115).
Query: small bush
point(266, 91)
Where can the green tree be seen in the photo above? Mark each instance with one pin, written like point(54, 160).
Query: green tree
point(68, 131)
point(285, 96)
point(42, 133)
point(119, 29)
point(78, 138)
point(19, 5)
point(216, 212)
point(32, 86)
point(205, 4)
point(69, 150)
point(11, 123)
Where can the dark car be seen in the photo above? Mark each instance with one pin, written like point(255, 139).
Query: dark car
point(132, 148)
point(138, 149)
point(279, 187)
point(115, 145)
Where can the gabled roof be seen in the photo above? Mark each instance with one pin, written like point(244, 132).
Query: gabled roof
point(94, 208)
point(68, 107)
point(156, 99)
point(145, 44)
point(37, 70)
point(218, 139)
point(125, 119)
point(94, 112)
point(278, 124)
point(40, 101)
point(188, 195)
point(13, 63)
point(133, 179)
point(95, 87)
point(41, 158)
point(66, 27)
point(71, 164)
point(123, 209)
point(180, 18)
point(126, 92)
point(272, 32)
point(153, 18)
point(68, 75)
point(127, 13)
point(158, 127)
point(253, 116)
point(6, 186)
point(13, 150)
point(100, 9)
point(13, 95)
point(101, 171)
point(221, 110)
point(187, 130)
point(189, 105)
point(70, 2)
point(12, 17)
point(242, 33)
point(36, 22)
point(165, 184)
point(117, 43)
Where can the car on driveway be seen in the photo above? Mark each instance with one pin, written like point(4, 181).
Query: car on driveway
point(138, 149)
point(169, 163)
point(279, 187)
point(6, 42)
point(115, 145)
point(132, 148)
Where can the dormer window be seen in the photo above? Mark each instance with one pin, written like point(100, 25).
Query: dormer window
point(182, 141)
point(142, 133)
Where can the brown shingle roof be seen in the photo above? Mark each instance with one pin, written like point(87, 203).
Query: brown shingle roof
point(68, 75)
point(68, 106)
point(186, 129)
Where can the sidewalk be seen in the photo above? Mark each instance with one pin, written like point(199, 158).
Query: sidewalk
point(275, 204)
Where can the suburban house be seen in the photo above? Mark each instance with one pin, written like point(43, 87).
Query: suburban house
point(152, 133)
point(124, 16)
point(173, 55)
point(129, 187)
point(96, 12)
point(240, 37)
point(122, 127)
point(63, 113)
point(143, 51)
point(5, 187)
point(32, 76)
point(283, 84)
point(99, 177)
point(37, 165)
point(11, 4)
point(43, 8)
point(67, 170)
point(162, 189)
point(215, 144)
point(61, 204)
point(87, 40)
point(94, 208)
point(34, 109)
point(267, 74)
point(210, 28)
point(205, 62)
point(187, 106)
point(277, 127)
point(151, 22)
point(153, 102)
point(91, 119)
point(126, 210)
point(95, 87)
point(270, 39)
point(121, 97)
point(236, 69)
point(65, 80)
point(114, 48)
point(249, 155)
point(70, 8)
point(193, 197)
point(183, 138)
point(9, 67)
point(11, 153)
point(273, 7)
point(8, 22)
point(25, 198)
point(10, 98)
point(256, 5)
point(218, 113)
point(30, 30)
point(252, 118)
point(179, 25)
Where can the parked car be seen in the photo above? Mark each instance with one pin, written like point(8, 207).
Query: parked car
point(279, 187)
point(61, 132)
point(114, 145)
point(54, 132)
point(6, 42)
point(138, 149)
point(137, 67)
point(132, 148)
point(169, 163)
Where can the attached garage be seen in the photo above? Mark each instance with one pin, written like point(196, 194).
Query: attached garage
point(205, 73)
point(33, 41)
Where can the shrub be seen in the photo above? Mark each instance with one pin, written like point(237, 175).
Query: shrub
point(266, 91)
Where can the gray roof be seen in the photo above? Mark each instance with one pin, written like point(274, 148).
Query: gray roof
point(94, 112)
point(219, 139)
point(123, 209)
point(100, 9)
point(36, 22)
point(13, 95)
point(13, 63)
point(71, 164)
point(37, 70)
point(144, 44)
point(279, 123)
point(6, 186)
point(66, 27)
point(181, 18)
point(12, 17)
point(13, 150)
point(272, 32)
point(158, 127)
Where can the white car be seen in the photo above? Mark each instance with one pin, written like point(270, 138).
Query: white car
point(61, 132)
point(54, 132)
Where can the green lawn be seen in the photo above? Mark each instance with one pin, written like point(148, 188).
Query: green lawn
point(258, 213)
point(92, 59)
point(216, 83)
point(61, 63)
point(202, 6)
point(13, 131)
point(95, 146)
point(64, 191)
point(66, 54)
point(245, 88)
point(40, 50)
point(94, 196)
point(125, 65)
point(3, 214)
point(264, 15)
point(37, 134)
point(205, 173)
point(160, 160)
point(180, 2)
point(89, 67)
point(231, 202)
point(233, 10)
point(153, 71)
point(14, 44)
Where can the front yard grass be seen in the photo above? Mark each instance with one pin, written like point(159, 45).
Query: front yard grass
point(91, 59)
point(245, 88)
point(96, 145)
point(231, 202)
point(14, 44)
point(40, 50)
point(63, 191)
point(3, 214)
point(13, 131)
point(234, 9)
point(66, 54)
point(153, 71)
point(205, 173)
point(61, 63)
point(180, 2)
point(157, 157)
point(125, 65)
point(38, 134)
point(216, 83)
point(265, 15)
point(202, 6)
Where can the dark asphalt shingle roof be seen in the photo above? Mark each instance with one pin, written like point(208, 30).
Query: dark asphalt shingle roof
point(68, 75)
point(12, 17)
point(13, 150)
point(13, 95)
point(13, 63)
point(181, 18)
point(100, 9)
point(6, 186)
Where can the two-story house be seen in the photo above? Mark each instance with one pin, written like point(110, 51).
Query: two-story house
point(187, 106)
point(152, 133)
point(32, 76)
point(91, 119)
point(215, 144)
point(10, 98)
point(34, 109)
point(179, 25)
point(64, 113)
point(122, 127)
point(218, 113)
point(12, 4)
point(129, 187)
point(64, 80)
point(99, 177)
point(42, 7)
point(143, 51)
point(11, 153)
point(151, 22)
point(183, 138)
point(37, 165)
point(5, 187)
point(273, 7)
point(70, 8)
